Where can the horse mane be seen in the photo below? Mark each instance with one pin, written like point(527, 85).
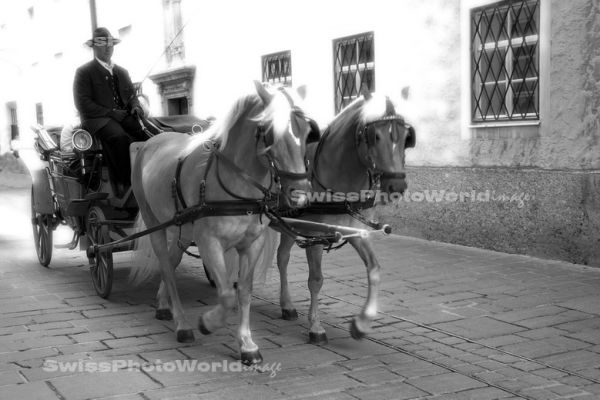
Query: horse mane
point(359, 112)
point(276, 115)
point(218, 133)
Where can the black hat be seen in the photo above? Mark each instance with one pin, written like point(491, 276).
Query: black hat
point(102, 37)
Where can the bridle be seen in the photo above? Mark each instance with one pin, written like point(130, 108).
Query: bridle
point(366, 137)
point(264, 135)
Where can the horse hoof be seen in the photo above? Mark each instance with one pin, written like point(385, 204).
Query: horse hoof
point(355, 332)
point(317, 338)
point(185, 336)
point(251, 357)
point(164, 314)
point(289, 315)
point(202, 328)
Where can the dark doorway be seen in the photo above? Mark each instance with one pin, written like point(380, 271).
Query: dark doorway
point(178, 106)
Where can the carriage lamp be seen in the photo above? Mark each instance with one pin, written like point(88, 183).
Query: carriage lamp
point(82, 140)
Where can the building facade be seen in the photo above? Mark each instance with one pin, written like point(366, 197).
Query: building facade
point(504, 95)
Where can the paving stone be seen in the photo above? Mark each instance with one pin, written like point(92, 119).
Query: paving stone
point(377, 375)
point(445, 383)
point(49, 326)
point(29, 391)
point(10, 377)
point(303, 356)
point(412, 368)
point(137, 331)
point(545, 347)
point(82, 347)
point(479, 328)
point(101, 384)
point(91, 336)
point(485, 393)
point(127, 342)
point(589, 305)
point(351, 348)
point(396, 390)
point(249, 392)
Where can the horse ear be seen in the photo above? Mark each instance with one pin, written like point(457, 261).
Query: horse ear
point(365, 93)
point(264, 95)
point(302, 91)
point(389, 107)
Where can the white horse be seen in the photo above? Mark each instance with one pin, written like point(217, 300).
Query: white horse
point(236, 168)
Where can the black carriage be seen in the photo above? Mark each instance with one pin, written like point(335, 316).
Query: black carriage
point(74, 188)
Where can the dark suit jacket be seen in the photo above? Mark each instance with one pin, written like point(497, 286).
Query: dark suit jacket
point(93, 94)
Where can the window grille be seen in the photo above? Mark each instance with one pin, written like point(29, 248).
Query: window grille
point(277, 68)
point(354, 67)
point(505, 61)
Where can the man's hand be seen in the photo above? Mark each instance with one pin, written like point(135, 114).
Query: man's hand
point(137, 110)
point(118, 115)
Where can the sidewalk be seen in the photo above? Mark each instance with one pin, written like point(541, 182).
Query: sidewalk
point(455, 323)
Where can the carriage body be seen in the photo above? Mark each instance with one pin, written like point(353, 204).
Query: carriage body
point(74, 188)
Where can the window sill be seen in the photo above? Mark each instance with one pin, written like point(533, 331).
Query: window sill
point(506, 124)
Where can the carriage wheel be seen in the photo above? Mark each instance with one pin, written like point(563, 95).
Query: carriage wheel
point(42, 233)
point(101, 262)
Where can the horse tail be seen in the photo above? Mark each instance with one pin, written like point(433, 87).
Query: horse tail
point(266, 257)
point(144, 263)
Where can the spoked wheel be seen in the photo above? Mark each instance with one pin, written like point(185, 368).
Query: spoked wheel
point(101, 261)
point(42, 224)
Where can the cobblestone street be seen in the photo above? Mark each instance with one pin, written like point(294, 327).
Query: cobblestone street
point(454, 323)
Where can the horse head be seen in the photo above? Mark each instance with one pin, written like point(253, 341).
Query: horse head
point(283, 132)
point(381, 139)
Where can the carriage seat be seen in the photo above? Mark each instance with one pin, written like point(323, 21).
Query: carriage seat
point(180, 123)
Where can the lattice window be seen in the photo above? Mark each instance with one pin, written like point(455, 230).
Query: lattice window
point(354, 67)
point(277, 68)
point(505, 61)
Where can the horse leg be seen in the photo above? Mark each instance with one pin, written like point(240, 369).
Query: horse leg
point(288, 311)
point(362, 323)
point(163, 310)
point(316, 333)
point(214, 260)
point(250, 354)
point(159, 244)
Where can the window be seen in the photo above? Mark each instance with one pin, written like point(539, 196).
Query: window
point(354, 67)
point(173, 27)
point(277, 68)
point(505, 61)
point(39, 113)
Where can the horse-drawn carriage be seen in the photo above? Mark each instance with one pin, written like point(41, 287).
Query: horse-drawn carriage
point(223, 197)
point(74, 188)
